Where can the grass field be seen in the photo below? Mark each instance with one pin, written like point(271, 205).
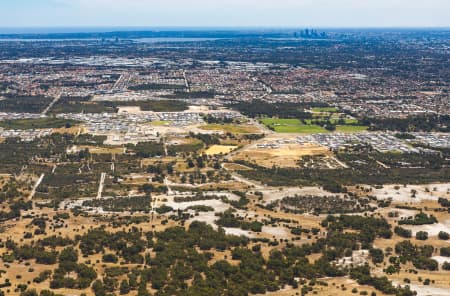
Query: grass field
point(103, 150)
point(346, 120)
point(159, 123)
point(300, 129)
point(294, 126)
point(24, 124)
point(275, 121)
point(325, 109)
point(350, 128)
point(231, 128)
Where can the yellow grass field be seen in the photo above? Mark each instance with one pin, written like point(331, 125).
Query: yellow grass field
point(160, 123)
point(74, 130)
point(219, 149)
point(103, 150)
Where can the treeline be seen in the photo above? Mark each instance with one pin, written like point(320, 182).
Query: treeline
point(84, 104)
point(39, 123)
point(336, 178)
point(121, 204)
point(146, 149)
point(427, 123)
point(259, 108)
point(24, 104)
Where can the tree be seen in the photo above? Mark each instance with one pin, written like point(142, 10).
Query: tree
point(443, 235)
point(124, 287)
point(422, 235)
point(98, 288)
point(376, 255)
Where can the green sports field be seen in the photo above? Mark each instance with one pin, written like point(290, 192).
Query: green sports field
point(295, 126)
point(292, 126)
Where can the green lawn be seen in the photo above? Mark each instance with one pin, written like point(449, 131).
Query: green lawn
point(325, 109)
point(350, 128)
point(346, 120)
point(276, 121)
point(160, 123)
point(296, 126)
point(300, 129)
point(292, 126)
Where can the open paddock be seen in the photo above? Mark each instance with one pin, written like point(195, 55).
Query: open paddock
point(268, 154)
point(231, 128)
point(220, 149)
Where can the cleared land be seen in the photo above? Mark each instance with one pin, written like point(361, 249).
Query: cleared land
point(219, 149)
point(231, 128)
point(286, 155)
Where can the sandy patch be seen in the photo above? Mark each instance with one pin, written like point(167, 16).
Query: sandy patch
point(277, 194)
point(279, 151)
point(277, 232)
point(441, 259)
point(427, 290)
point(217, 205)
point(400, 193)
point(432, 229)
point(238, 232)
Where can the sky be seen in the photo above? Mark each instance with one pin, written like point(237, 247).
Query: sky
point(225, 13)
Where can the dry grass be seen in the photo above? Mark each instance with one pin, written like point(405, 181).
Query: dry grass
point(103, 150)
point(231, 128)
point(219, 149)
point(74, 130)
point(284, 156)
point(333, 288)
point(236, 167)
point(20, 272)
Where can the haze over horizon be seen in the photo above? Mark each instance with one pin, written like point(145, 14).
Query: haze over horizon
point(230, 13)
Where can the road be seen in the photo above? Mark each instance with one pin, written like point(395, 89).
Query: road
point(123, 81)
point(33, 192)
point(167, 183)
point(241, 179)
point(57, 97)
point(186, 82)
point(100, 186)
point(165, 147)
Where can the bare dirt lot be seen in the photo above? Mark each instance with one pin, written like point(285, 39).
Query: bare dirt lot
point(279, 151)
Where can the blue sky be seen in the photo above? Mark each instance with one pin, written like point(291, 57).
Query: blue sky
point(280, 13)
